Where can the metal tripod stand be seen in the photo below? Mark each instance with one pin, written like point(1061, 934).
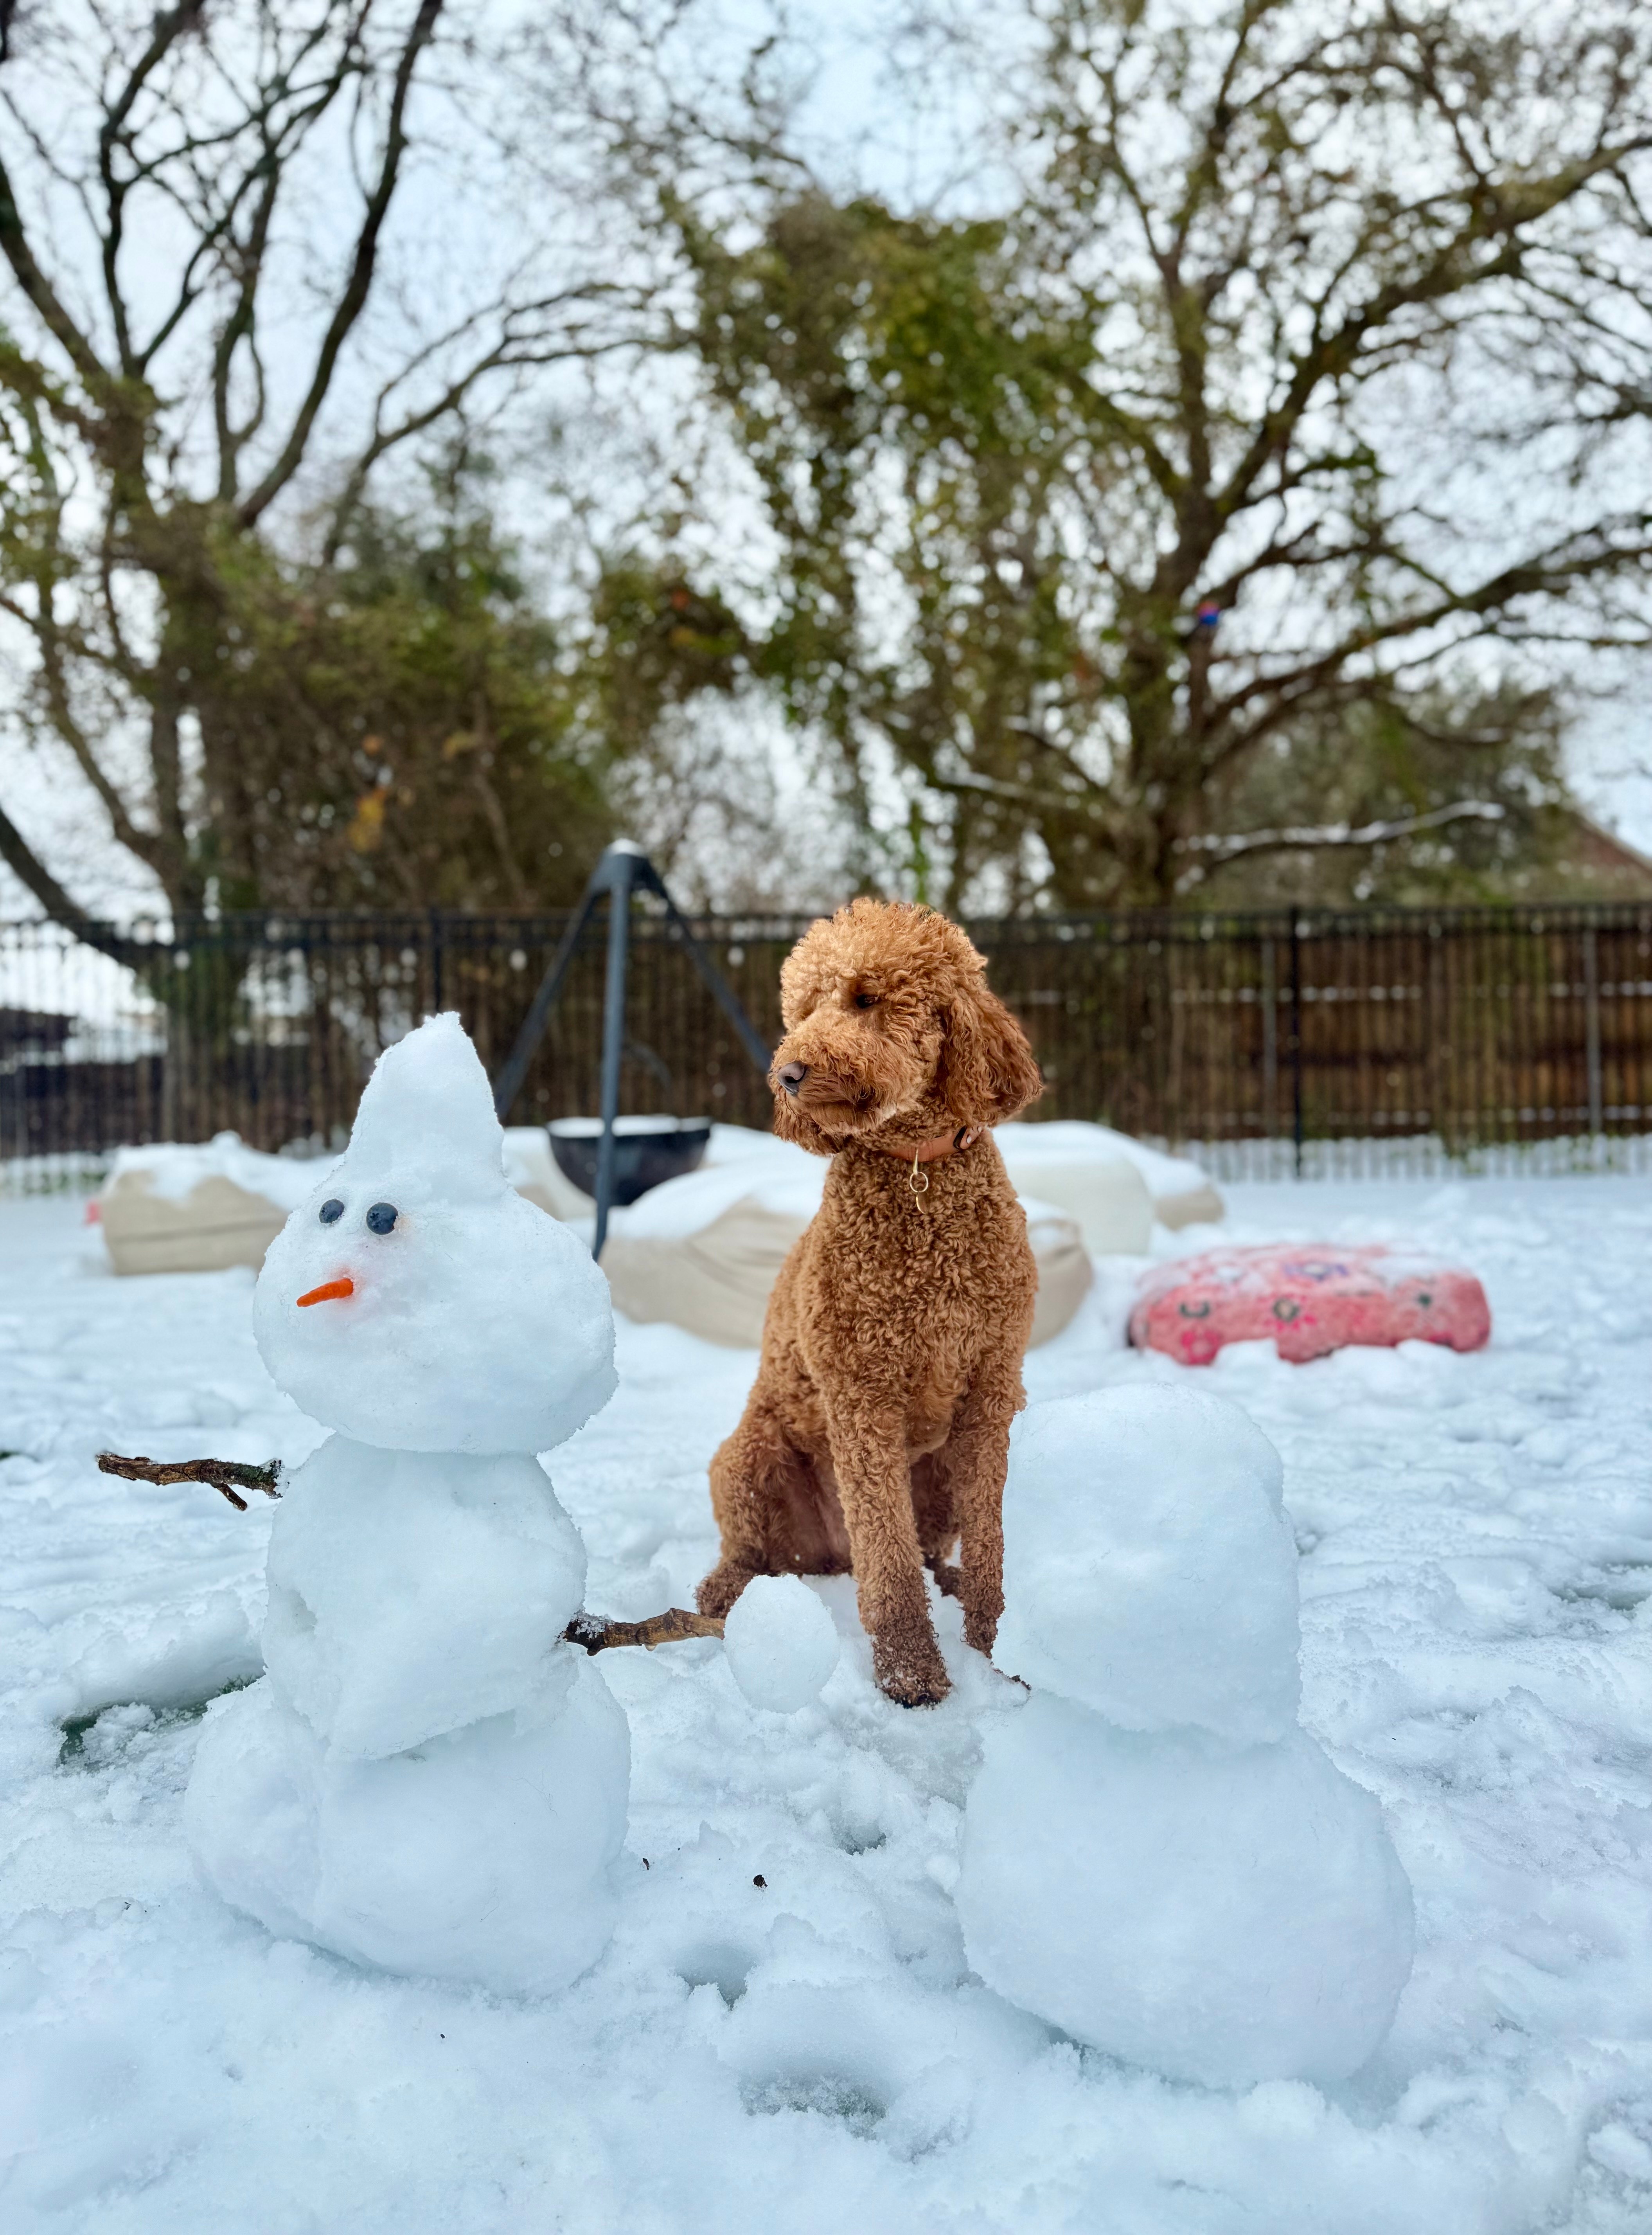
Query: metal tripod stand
point(624, 870)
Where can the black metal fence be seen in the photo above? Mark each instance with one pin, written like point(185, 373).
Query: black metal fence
point(1392, 1040)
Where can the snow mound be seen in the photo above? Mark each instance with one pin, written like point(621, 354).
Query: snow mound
point(781, 1641)
point(1179, 1191)
point(1061, 1138)
point(486, 1857)
point(1150, 1572)
point(1223, 1915)
point(407, 1600)
point(788, 1183)
point(1156, 1856)
point(176, 1658)
point(473, 1322)
point(172, 1169)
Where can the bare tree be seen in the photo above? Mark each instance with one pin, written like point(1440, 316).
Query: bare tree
point(232, 293)
point(1240, 409)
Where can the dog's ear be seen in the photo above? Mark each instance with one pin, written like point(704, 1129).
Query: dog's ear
point(987, 1071)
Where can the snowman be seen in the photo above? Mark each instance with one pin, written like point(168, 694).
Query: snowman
point(426, 1779)
point(1156, 1856)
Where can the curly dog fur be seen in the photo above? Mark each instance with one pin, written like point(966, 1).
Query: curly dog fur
point(877, 1433)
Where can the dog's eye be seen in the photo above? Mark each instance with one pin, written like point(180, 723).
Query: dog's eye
point(866, 1001)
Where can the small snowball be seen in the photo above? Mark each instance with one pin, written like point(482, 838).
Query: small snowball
point(1220, 1914)
point(781, 1641)
point(1149, 1570)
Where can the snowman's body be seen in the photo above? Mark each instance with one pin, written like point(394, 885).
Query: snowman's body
point(427, 1778)
point(1156, 1856)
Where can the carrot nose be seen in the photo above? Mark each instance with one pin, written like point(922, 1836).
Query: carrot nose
point(328, 1290)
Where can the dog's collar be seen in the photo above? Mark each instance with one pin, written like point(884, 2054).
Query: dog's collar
point(924, 1153)
point(928, 1152)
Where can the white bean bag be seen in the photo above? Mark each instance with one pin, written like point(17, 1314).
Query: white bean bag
point(178, 1208)
point(173, 1208)
point(534, 1172)
point(703, 1252)
point(1075, 1166)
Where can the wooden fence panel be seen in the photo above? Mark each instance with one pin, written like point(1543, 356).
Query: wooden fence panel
point(1385, 1039)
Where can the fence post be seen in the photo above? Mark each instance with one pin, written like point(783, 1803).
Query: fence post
point(1269, 1040)
point(1592, 1042)
point(613, 1028)
point(1296, 1038)
point(435, 961)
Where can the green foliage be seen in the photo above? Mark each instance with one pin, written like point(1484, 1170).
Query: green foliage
point(659, 642)
point(911, 420)
point(399, 728)
point(397, 725)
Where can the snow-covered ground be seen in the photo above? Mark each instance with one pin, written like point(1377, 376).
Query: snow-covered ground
point(784, 2033)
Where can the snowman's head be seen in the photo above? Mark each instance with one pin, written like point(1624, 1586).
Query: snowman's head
point(416, 1301)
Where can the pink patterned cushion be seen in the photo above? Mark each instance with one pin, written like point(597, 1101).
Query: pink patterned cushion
point(1310, 1297)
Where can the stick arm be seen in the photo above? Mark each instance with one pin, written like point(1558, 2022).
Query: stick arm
point(595, 1633)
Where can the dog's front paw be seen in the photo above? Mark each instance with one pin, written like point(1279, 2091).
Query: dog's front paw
point(721, 1588)
point(910, 1672)
point(980, 1630)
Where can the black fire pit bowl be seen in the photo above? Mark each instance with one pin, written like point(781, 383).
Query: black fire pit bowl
point(646, 1150)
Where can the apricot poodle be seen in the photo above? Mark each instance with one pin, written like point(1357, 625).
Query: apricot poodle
point(877, 1433)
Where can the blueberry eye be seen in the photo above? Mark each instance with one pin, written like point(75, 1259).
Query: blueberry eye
point(331, 1209)
point(381, 1217)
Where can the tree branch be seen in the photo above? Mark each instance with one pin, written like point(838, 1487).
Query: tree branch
point(238, 326)
point(33, 875)
point(30, 383)
point(15, 247)
point(168, 25)
point(229, 1476)
point(507, 353)
point(1544, 572)
point(354, 298)
point(1229, 847)
point(1497, 216)
point(594, 1633)
point(42, 624)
